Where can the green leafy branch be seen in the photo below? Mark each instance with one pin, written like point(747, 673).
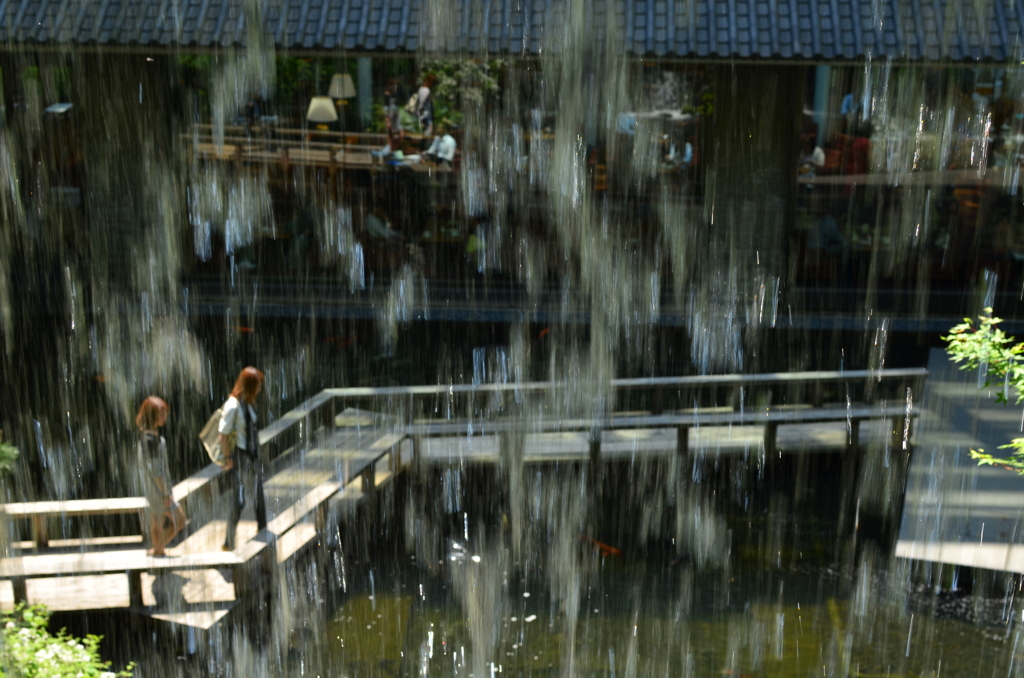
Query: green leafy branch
point(8, 456)
point(987, 348)
point(29, 650)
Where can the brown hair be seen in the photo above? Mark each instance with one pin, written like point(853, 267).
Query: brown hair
point(248, 384)
point(150, 411)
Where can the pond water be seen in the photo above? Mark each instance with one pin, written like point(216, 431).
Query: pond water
point(647, 614)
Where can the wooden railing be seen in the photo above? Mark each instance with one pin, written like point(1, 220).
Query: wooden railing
point(492, 407)
point(292, 146)
point(300, 428)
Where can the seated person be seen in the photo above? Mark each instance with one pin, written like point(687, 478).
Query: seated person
point(442, 149)
point(812, 159)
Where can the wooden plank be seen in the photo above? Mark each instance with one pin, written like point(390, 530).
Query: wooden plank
point(89, 592)
point(662, 421)
point(771, 377)
point(992, 556)
point(88, 542)
point(195, 482)
point(78, 507)
point(649, 382)
point(293, 416)
point(295, 540)
point(226, 152)
point(263, 156)
point(623, 444)
point(6, 596)
point(297, 511)
point(110, 561)
point(308, 155)
point(191, 587)
point(200, 619)
point(386, 442)
point(348, 158)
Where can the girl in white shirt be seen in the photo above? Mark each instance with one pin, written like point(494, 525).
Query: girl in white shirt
point(239, 440)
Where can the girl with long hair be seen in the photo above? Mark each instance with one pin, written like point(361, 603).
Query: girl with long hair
point(239, 441)
point(164, 517)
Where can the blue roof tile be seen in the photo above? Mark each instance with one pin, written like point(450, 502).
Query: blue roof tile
point(986, 30)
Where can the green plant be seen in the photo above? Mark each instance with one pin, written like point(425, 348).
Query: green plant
point(987, 348)
point(376, 124)
point(8, 456)
point(30, 651)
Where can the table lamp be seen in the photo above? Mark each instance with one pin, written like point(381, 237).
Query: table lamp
point(321, 111)
point(341, 88)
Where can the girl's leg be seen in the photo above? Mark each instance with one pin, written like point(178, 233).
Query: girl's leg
point(156, 535)
point(237, 502)
point(261, 503)
point(177, 522)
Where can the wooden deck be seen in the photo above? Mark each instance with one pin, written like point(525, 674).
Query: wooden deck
point(323, 460)
point(956, 512)
point(195, 584)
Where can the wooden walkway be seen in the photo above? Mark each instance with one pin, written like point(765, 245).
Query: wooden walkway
point(198, 578)
point(323, 460)
point(956, 512)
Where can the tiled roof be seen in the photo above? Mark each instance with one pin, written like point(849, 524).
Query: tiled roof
point(930, 30)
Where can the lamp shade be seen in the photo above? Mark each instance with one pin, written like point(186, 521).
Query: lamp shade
point(342, 86)
point(321, 109)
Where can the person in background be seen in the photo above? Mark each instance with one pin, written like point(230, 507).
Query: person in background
point(252, 114)
point(239, 440)
point(442, 148)
point(425, 105)
point(812, 159)
point(859, 155)
point(165, 517)
point(393, 117)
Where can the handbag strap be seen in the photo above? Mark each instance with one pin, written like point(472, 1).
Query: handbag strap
point(251, 443)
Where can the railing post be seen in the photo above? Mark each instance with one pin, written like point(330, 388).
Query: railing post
point(369, 476)
point(595, 447)
point(817, 393)
point(240, 578)
point(657, 406)
point(327, 417)
point(135, 588)
point(417, 451)
point(680, 465)
point(771, 430)
point(897, 424)
point(40, 532)
point(320, 518)
point(20, 590)
point(682, 441)
point(854, 441)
